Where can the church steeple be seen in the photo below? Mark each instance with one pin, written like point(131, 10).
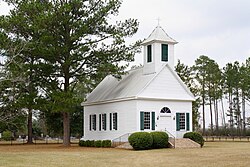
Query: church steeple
point(158, 51)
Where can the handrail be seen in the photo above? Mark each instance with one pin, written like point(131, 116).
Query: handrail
point(171, 138)
point(120, 140)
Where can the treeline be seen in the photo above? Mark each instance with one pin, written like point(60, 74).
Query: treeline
point(224, 92)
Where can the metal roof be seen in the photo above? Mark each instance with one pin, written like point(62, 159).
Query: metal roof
point(159, 34)
point(112, 88)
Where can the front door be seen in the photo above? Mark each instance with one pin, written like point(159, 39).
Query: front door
point(165, 123)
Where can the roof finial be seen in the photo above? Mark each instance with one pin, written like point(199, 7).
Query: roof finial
point(158, 19)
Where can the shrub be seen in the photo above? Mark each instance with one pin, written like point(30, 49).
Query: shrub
point(92, 143)
point(7, 135)
point(197, 137)
point(82, 143)
point(106, 143)
point(160, 139)
point(141, 140)
point(98, 143)
point(88, 143)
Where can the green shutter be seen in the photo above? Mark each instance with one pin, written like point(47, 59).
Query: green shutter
point(116, 121)
point(149, 52)
point(188, 122)
point(110, 121)
point(164, 52)
point(105, 121)
point(90, 122)
point(153, 120)
point(142, 120)
point(100, 122)
point(177, 121)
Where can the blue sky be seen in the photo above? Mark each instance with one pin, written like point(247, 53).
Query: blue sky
point(219, 29)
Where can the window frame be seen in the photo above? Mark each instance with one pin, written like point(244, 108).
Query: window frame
point(164, 57)
point(93, 122)
point(149, 53)
point(147, 120)
point(114, 121)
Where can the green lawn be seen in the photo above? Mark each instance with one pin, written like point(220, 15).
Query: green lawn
point(216, 154)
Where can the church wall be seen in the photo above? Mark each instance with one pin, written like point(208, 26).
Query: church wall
point(126, 111)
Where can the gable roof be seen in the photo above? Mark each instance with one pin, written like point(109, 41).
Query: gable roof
point(131, 86)
point(160, 35)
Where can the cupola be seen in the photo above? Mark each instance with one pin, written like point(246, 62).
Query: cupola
point(158, 51)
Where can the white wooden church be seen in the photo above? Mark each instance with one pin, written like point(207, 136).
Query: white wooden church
point(149, 98)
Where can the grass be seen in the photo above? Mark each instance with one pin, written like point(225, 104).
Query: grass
point(212, 154)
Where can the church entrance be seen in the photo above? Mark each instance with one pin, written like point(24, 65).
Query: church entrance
point(165, 123)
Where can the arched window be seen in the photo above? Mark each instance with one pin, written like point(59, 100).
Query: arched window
point(165, 110)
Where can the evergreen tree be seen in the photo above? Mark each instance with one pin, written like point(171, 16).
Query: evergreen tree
point(72, 42)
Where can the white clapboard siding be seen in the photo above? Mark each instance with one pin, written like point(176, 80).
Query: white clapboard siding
point(166, 85)
point(127, 118)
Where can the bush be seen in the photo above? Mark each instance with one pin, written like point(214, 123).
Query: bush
point(197, 137)
point(141, 140)
point(82, 143)
point(7, 135)
point(160, 139)
point(106, 143)
point(90, 143)
point(98, 143)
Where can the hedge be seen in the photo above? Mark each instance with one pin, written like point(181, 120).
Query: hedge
point(93, 143)
point(195, 136)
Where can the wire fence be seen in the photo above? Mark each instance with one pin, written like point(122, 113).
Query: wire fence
point(46, 140)
point(227, 138)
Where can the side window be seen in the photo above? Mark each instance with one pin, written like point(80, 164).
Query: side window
point(149, 53)
point(104, 121)
point(115, 127)
point(164, 52)
point(147, 120)
point(182, 121)
point(93, 122)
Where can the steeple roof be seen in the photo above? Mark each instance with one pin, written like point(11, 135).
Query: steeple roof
point(160, 35)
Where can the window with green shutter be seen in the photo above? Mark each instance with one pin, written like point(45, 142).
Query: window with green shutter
point(149, 53)
point(164, 52)
point(188, 122)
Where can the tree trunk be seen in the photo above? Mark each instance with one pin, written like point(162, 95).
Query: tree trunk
point(211, 115)
point(30, 127)
point(66, 129)
point(203, 107)
point(244, 113)
point(223, 113)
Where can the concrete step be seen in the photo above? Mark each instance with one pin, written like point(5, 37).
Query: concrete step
point(186, 143)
